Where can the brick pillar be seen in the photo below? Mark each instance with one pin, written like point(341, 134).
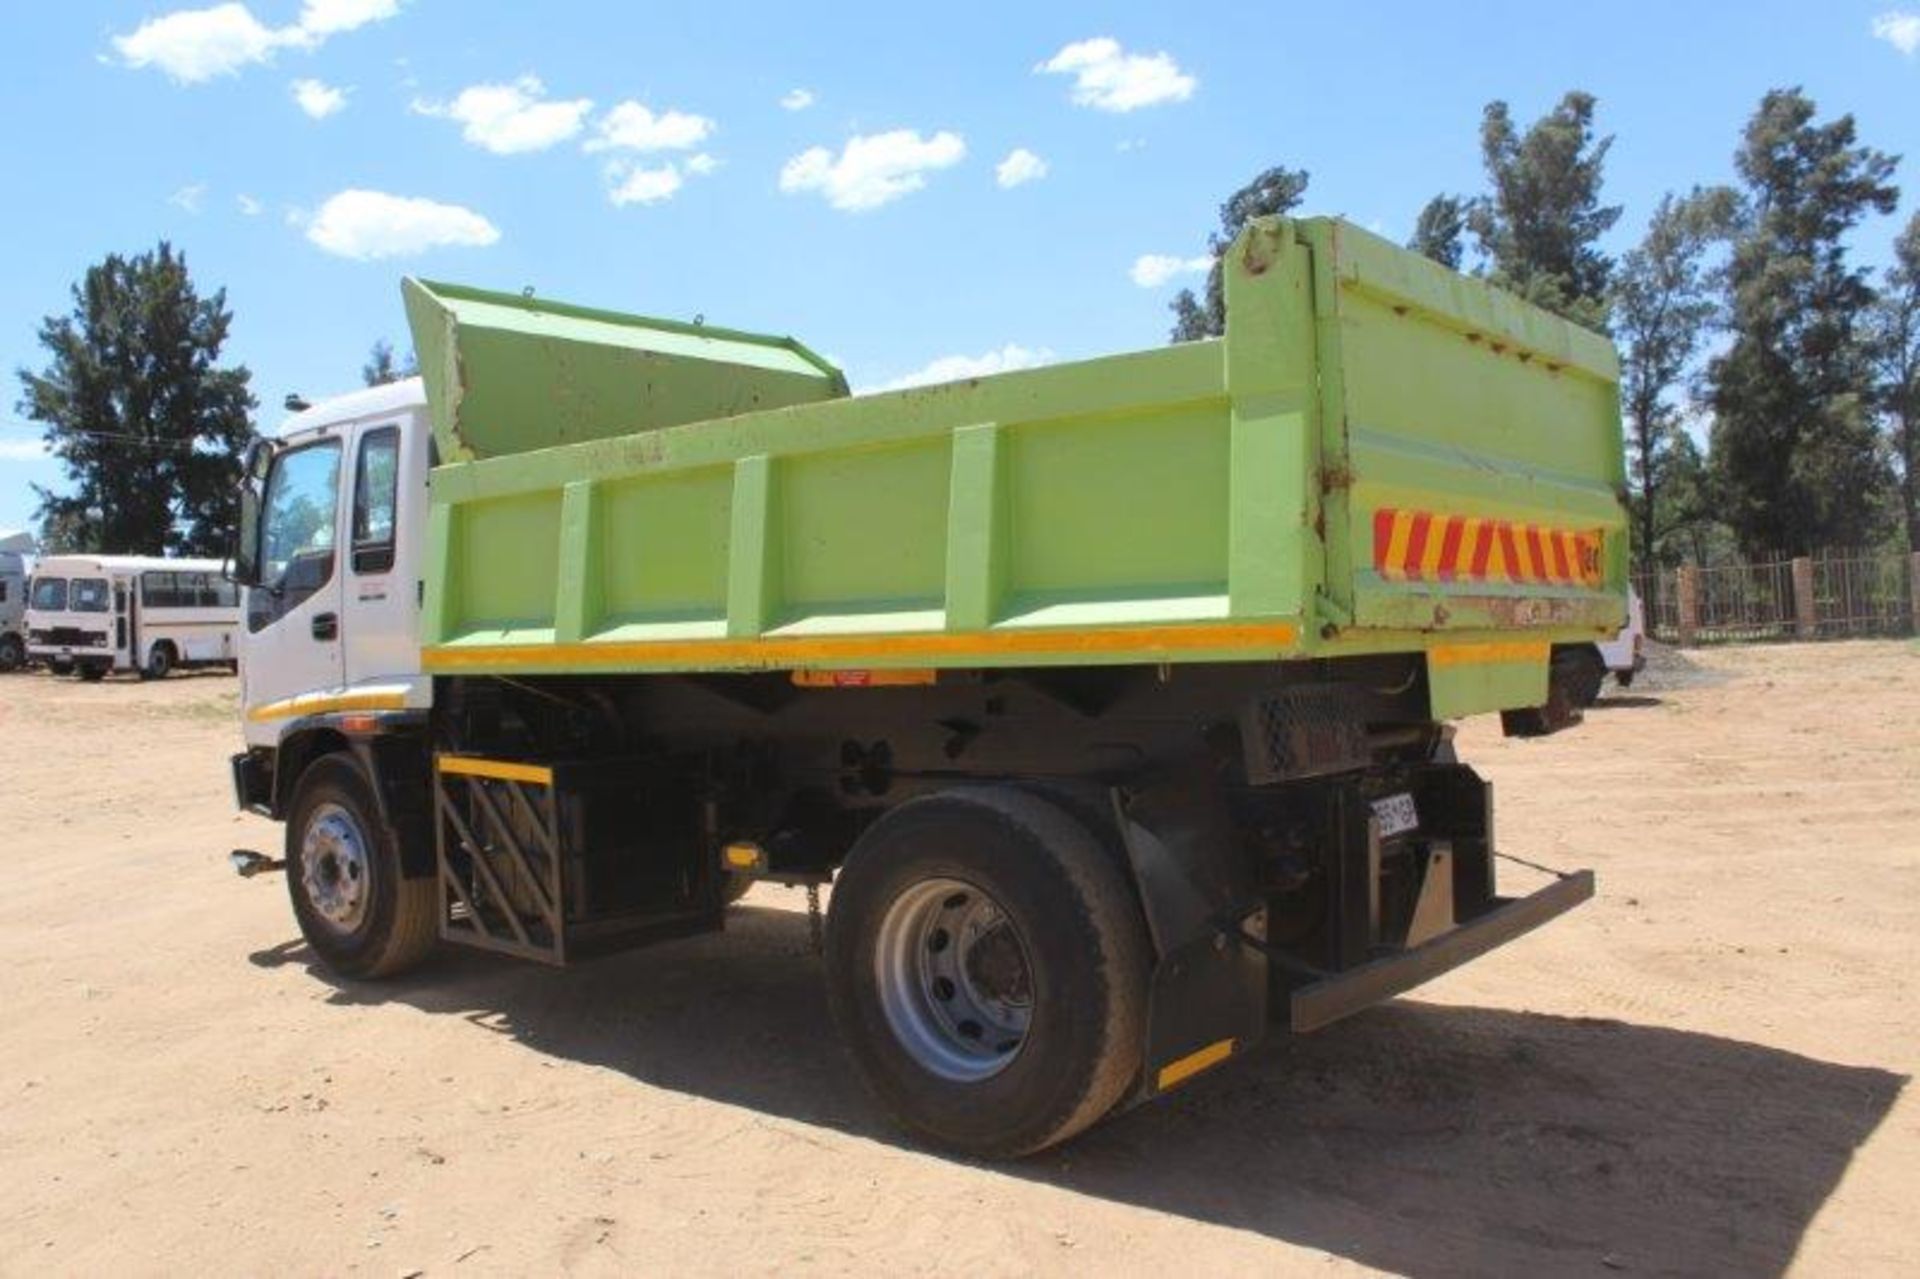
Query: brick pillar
point(1687, 587)
point(1806, 620)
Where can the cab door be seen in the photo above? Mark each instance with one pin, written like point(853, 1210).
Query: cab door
point(381, 577)
point(293, 618)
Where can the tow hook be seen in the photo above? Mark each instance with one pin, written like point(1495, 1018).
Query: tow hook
point(246, 863)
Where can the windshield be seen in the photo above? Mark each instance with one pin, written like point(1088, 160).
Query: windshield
point(49, 594)
point(300, 498)
point(90, 595)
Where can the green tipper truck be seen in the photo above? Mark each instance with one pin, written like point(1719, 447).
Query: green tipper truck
point(1111, 698)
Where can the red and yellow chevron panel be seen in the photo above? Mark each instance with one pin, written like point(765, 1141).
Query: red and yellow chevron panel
point(1420, 546)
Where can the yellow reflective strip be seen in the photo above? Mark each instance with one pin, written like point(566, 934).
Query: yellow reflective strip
point(1497, 566)
point(310, 705)
point(801, 650)
point(1436, 540)
point(1192, 1064)
point(1470, 530)
point(1479, 654)
point(503, 770)
point(1524, 571)
point(1396, 561)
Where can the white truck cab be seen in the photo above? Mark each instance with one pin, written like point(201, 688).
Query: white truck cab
point(342, 516)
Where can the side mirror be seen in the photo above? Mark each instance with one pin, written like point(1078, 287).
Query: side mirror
point(244, 569)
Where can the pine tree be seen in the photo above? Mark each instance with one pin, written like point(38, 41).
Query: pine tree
point(381, 366)
point(1663, 300)
point(1440, 232)
point(136, 406)
point(1797, 462)
point(1276, 191)
point(1540, 225)
point(1894, 340)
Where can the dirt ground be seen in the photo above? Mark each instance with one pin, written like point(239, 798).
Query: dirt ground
point(1705, 1070)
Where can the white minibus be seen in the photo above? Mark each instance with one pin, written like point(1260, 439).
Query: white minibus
point(100, 613)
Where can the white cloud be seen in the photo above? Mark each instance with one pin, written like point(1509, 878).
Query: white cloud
point(955, 368)
point(796, 99)
point(1151, 270)
point(1899, 29)
point(189, 198)
point(508, 119)
point(318, 98)
point(630, 183)
point(874, 169)
point(24, 451)
point(248, 206)
point(365, 225)
point(1021, 165)
point(1108, 78)
point(631, 126)
point(194, 45)
point(322, 18)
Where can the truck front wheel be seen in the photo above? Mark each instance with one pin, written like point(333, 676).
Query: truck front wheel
point(987, 966)
point(356, 908)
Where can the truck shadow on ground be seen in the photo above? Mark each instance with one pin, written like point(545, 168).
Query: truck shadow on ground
point(1419, 1138)
point(1625, 702)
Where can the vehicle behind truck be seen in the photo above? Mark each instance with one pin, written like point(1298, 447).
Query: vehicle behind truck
point(14, 548)
point(1113, 699)
point(97, 614)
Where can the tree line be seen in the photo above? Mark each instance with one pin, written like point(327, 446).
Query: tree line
point(1740, 310)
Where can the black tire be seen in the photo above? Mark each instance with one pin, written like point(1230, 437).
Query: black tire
point(1586, 673)
point(399, 922)
point(160, 662)
point(13, 654)
point(1086, 956)
point(92, 672)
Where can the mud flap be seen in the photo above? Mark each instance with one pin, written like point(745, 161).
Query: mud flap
point(1207, 997)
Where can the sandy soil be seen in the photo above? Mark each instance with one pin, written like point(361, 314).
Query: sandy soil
point(1703, 1071)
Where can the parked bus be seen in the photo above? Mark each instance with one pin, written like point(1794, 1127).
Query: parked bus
point(100, 613)
point(14, 547)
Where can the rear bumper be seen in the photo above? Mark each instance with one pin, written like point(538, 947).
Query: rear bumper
point(1328, 999)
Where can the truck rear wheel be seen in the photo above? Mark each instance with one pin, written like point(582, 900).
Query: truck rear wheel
point(987, 967)
point(356, 908)
point(13, 654)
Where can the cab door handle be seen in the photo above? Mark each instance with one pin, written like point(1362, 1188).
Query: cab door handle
point(326, 626)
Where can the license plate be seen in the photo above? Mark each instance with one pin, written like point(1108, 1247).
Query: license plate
point(1396, 815)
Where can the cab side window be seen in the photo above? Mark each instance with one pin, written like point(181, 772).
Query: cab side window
point(376, 492)
point(297, 531)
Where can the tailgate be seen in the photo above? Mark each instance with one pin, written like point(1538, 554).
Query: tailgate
point(1472, 447)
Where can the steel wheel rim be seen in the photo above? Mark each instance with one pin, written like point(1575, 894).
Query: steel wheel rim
point(334, 867)
point(955, 980)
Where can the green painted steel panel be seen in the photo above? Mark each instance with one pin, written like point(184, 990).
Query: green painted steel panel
point(506, 372)
point(1228, 490)
point(671, 536)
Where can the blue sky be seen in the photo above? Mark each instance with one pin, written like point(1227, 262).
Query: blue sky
point(837, 172)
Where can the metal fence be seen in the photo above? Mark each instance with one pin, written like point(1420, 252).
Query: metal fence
point(1834, 593)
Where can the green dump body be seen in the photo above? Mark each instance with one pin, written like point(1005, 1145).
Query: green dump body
point(1379, 456)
